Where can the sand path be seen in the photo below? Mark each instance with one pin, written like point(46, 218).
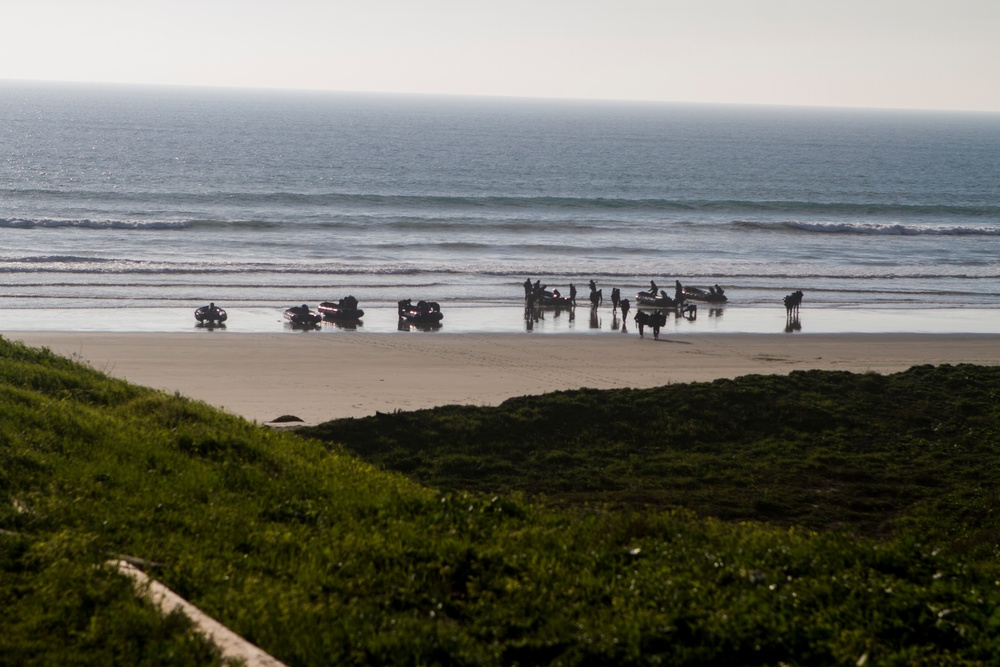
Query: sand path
point(318, 376)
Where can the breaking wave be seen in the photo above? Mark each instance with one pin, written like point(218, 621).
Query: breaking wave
point(871, 228)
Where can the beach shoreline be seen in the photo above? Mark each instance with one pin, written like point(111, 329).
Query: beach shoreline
point(465, 318)
point(317, 378)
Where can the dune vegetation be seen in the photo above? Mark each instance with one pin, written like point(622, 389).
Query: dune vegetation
point(531, 533)
point(874, 454)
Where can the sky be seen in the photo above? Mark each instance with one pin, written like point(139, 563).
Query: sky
point(911, 54)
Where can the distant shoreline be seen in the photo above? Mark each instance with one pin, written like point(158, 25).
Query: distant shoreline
point(318, 377)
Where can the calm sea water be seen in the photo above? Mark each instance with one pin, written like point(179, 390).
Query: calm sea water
point(157, 198)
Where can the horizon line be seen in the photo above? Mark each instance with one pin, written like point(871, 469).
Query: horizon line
point(486, 96)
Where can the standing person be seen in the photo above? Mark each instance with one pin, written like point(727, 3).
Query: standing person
point(572, 294)
point(527, 288)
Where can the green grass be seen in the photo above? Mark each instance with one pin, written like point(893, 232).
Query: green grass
point(874, 454)
point(322, 558)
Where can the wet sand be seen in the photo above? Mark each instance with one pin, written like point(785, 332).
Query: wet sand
point(262, 376)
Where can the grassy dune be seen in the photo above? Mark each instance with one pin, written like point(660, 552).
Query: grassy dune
point(917, 451)
point(322, 558)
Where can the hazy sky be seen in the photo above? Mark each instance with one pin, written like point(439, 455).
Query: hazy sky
point(933, 54)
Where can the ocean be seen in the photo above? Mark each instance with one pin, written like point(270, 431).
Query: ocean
point(124, 208)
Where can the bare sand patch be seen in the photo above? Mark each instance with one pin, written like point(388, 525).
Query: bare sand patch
point(318, 378)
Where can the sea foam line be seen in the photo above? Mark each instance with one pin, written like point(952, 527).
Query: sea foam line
point(115, 267)
point(870, 228)
point(47, 223)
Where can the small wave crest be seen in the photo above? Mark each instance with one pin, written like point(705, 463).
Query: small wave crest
point(68, 264)
point(869, 228)
point(354, 201)
point(576, 204)
point(86, 223)
point(568, 266)
point(583, 202)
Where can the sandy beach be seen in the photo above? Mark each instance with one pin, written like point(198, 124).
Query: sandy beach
point(318, 378)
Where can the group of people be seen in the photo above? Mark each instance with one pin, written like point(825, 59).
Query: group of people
point(655, 291)
point(534, 292)
point(679, 295)
point(537, 294)
point(347, 303)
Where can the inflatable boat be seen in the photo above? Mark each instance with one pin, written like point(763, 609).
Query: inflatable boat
point(651, 300)
point(711, 295)
point(210, 315)
point(341, 311)
point(425, 312)
point(301, 316)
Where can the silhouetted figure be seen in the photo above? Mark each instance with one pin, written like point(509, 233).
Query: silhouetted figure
point(616, 297)
point(655, 320)
point(572, 294)
point(625, 306)
point(527, 288)
point(792, 303)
